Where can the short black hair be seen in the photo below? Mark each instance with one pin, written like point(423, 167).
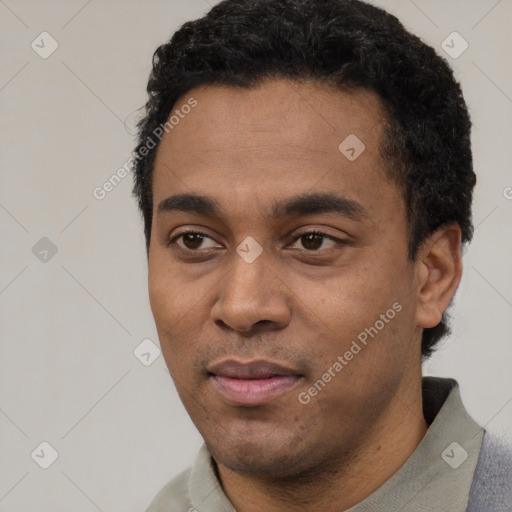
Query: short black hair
point(348, 44)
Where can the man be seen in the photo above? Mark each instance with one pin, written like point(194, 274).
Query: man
point(304, 172)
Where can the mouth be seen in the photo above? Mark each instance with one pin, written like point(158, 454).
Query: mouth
point(252, 383)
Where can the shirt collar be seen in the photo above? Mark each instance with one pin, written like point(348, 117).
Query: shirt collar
point(438, 474)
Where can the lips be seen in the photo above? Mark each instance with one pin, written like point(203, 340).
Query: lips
point(252, 383)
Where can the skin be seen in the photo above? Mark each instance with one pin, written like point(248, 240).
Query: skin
point(301, 303)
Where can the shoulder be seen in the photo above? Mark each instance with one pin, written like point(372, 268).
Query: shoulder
point(491, 489)
point(173, 497)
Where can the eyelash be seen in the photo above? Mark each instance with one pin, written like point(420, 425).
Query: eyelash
point(338, 241)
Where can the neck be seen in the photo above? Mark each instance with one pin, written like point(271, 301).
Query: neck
point(355, 475)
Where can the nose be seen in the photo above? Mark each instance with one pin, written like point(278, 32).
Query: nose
point(252, 298)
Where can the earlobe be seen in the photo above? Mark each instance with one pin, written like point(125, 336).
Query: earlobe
point(439, 273)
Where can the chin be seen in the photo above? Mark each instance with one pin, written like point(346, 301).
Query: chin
point(267, 455)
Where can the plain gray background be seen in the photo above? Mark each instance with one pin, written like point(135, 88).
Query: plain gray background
point(70, 321)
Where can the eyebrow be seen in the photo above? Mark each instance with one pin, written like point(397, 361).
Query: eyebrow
point(300, 205)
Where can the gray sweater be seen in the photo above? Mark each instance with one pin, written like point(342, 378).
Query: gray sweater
point(491, 489)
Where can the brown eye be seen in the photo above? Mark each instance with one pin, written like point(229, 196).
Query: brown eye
point(314, 240)
point(190, 241)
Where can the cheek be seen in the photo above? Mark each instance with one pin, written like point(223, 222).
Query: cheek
point(360, 291)
point(179, 311)
point(167, 305)
point(170, 296)
point(161, 291)
point(354, 299)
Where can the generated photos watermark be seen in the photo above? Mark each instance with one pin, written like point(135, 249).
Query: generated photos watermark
point(101, 191)
point(370, 332)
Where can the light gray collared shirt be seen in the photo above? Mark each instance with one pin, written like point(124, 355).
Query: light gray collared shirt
point(437, 475)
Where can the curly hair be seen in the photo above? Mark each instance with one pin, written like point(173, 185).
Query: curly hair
point(349, 44)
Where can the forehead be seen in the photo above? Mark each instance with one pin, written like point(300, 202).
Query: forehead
point(280, 139)
point(294, 113)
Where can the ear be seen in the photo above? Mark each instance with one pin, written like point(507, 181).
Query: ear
point(439, 271)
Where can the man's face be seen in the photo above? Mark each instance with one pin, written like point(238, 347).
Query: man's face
point(247, 334)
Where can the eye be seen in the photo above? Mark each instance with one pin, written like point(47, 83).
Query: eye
point(313, 240)
point(190, 240)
